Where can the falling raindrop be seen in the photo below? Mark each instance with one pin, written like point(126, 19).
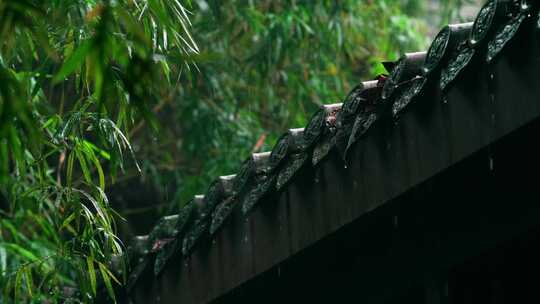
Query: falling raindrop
point(345, 166)
point(279, 271)
point(491, 76)
point(490, 163)
point(395, 221)
point(445, 100)
point(317, 175)
point(245, 239)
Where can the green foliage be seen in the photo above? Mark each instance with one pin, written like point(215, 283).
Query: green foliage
point(75, 76)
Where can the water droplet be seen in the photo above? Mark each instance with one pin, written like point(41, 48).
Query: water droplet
point(491, 76)
point(490, 164)
point(395, 221)
point(445, 100)
point(279, 271)
point(245, 239)
point(345, 166)
point(213, 241)
point(317, 175)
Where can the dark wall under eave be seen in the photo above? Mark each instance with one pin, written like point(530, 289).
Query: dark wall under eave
point(468, 235)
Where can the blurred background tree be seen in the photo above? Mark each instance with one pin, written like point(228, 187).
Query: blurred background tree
point(111, 105)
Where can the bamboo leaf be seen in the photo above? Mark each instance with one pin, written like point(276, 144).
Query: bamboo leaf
point(67, 221)
point(84, 166)
point(101, 152)
point(91, 273)
point(89, 151)
point(29, 281)
point(106, 275)
point(101, 214)
point(17, 287)
point(69, 174)
point(22, 252)
point(74, 61)
point(3, 259)
point(110, 273)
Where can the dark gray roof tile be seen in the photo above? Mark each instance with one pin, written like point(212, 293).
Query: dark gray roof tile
point(409, 66)
point(359, 101)
point(446, 41)
point(327, 141)
point(267, 184)
point(198, 226)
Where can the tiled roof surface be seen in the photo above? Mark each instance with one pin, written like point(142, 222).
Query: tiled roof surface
point(334, 126)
